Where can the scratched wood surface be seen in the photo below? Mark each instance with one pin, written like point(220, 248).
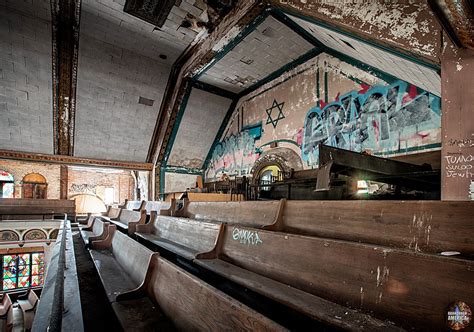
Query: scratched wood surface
point(256, 214)
point(427, 226)
point(11, 208)
point(156, 206)
point(406, 287)
point(195, 235)
point(194, 305)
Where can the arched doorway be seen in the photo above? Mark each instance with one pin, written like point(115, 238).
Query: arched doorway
point(6, 184)
point(34, 185)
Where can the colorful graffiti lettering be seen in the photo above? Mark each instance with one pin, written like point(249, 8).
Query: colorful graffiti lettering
point(383, 119)
point(234, 156)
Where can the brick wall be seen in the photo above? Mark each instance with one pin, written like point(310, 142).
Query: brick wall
point(90, 181)
point(20, 168)
point(25, 76)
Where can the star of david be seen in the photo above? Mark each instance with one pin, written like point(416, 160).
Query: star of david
point(279, 107)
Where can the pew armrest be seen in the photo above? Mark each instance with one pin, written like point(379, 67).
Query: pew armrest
point(107, 241)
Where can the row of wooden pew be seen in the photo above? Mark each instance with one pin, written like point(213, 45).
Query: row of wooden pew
point(18, 314)
point(320, 258)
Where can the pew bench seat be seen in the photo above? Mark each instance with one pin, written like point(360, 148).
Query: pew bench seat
point(28, 307)
point(181, 236)
point(315, 307)
point(180, 250)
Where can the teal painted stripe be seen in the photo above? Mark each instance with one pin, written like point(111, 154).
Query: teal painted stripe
point(177, 122)
point(318, 87)
point(279, 141)
point(183, 170)
point(326, 88)
point(220, 132)
point(412, 149)
point(408, 57)
point(162, 182)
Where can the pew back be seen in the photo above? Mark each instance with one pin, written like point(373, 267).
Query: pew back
point(132, 256)
point(193, 305)
point(385, 281)
point(156, 206)
point(427, 226)
point(14, 209)
point(134, 205)
point(197, 235)
point(256, 214)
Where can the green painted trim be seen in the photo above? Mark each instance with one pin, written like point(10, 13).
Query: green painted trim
point(255, 125)
point(234, 42)
point(177, 123)
point(162, 183)
point(220, 132)
point(326, 87)
point(214, 90)
point(279, 72)
point(278, 141)
point(390, 50)
point(318, 87)
point(183, 170)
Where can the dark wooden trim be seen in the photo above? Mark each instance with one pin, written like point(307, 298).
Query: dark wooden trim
point(65, 16)
point(63, 182)
point(47, 158)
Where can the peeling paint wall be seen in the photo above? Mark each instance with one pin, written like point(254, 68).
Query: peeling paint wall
point(407, 25)
point(457, 162)
point(326, 101)
point(178, 182)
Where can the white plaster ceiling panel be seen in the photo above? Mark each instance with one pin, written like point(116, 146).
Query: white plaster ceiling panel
point(105, 20)
point(397, 66)
point(201, 121)
point(110, 121)
point(269, 47)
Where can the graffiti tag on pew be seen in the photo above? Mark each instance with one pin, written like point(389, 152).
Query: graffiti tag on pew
point(245, 236)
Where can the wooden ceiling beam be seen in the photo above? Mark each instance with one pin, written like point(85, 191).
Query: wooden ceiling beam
point(69, 160)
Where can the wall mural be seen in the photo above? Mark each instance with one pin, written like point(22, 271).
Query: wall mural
point(8, 236)
point(234, 156)
point(382, 119)
point(34, 234)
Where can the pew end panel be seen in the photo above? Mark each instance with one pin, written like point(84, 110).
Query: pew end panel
point(132, 225)
point(148, 227)
point(106, 242)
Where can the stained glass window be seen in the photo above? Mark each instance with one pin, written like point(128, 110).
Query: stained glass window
point(22, 270)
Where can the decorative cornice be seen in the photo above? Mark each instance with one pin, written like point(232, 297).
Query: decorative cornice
point(36, 157)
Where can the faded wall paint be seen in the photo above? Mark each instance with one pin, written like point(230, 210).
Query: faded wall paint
point(308, 105)
point(407, 25)
point(457, 160)
point(178, 182)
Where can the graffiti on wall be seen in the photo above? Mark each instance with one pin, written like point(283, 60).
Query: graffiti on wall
point(382, 119)
point(234, 156)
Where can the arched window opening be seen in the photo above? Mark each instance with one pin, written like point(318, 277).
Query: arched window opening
point(6, 184)
point(34, 185)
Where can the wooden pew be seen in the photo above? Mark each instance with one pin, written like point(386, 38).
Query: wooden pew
point(21, 209)
point(184, 237)
point(133, 205)
point(28, 307)
point(15, 322)
point(130, 272)
point(97, 231)
point(298, 271)
point(194, 305)
point(421, 226)
point(250, 213)
point(111, 212)
point(122, 264)
point(127, 220)
point(5, 308)
point(161, 207)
